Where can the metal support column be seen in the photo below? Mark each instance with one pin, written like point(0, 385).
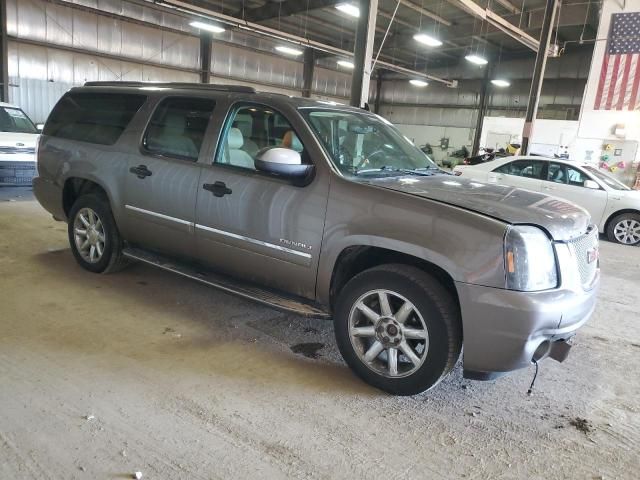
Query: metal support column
point(482, 110)
point(205, 56)
point(538, 74)
point(363, 52)
point(4, 54)
point(376, 106)
point(307, 71)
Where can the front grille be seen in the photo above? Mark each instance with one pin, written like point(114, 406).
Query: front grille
point(586, 251)
point(17, 150)
point(17, 173)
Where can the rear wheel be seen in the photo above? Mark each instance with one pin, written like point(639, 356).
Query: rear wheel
point(398, 329)
point(93, 235)
point(625, 229)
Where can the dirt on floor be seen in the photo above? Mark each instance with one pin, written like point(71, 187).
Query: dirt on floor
point(105, 375)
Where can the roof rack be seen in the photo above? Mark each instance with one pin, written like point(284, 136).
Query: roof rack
point(185, 85)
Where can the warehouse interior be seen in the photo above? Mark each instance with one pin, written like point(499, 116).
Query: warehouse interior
point(146, 374)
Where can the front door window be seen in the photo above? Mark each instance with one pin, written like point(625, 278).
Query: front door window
point(253, 128)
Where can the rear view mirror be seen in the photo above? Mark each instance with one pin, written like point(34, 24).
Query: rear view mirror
point(591, 184)
point(282, 161)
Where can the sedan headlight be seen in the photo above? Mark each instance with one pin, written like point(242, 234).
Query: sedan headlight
point(530, 262)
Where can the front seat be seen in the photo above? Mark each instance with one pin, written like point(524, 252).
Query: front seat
point(558, 176)
point(291, 140)
point(237, 156)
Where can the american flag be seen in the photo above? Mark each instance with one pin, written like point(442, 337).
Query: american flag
point(620, 74)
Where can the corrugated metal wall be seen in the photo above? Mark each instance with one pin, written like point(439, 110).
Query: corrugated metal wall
point(403, 103)
point(55, 46)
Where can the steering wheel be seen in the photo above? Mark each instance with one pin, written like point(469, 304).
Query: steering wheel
point(369, 158)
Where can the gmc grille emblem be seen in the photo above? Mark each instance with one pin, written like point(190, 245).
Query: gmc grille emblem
point(592, 255)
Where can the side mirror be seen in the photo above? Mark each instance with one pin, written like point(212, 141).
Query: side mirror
point(591, 184)
point(282, 161)
point(40, 127)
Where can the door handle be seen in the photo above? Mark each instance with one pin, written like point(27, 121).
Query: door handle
point(219, 189)
point(141, 171)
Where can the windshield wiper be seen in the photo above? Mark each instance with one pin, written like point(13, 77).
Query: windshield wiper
point(430, 167)
point(389, 168)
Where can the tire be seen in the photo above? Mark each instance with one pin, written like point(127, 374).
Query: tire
point(93, 209)
point(434, 311)
point(624, 229)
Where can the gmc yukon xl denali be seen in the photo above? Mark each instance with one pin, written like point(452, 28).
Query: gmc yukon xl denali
point(325, 211)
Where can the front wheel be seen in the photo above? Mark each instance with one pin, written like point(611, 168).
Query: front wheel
point(398, 328)
point(625, 229)
point(93, 235)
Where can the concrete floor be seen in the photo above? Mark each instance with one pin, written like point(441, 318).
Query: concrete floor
point(183, 381)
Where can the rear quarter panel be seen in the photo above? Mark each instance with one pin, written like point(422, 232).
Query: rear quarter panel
point(60, 159)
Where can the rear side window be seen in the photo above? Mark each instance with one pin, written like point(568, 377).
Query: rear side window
point(178, 126)
point(523, 168)
point(93, 117)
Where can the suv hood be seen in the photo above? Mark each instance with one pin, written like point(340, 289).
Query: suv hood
point(563, 220)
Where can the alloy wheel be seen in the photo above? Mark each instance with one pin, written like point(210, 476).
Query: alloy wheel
point(89, 235)
point(627, 231)
point(388, 333)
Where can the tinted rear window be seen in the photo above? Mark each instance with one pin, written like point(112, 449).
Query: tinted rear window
point(93, 117)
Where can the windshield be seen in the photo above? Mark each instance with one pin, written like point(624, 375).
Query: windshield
point(15, 120)
point(367, 145)
point(609, 181)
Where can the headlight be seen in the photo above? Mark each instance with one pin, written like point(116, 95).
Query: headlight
point(530, 262)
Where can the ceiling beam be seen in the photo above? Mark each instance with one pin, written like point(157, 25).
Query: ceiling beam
point(511, 8)
point(497, 21)
point(425, 12)
point(285, 9)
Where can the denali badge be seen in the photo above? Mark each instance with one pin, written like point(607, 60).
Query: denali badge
point(291, 243)
point(592, 255)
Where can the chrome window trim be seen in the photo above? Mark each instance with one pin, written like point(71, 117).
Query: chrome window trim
point(253, 240)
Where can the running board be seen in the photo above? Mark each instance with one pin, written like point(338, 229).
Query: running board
point(230, 285)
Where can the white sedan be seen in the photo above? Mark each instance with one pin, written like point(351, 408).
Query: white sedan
point(613, 206)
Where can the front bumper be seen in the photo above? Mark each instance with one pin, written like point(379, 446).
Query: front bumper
point(504, 328)
point(17, 173)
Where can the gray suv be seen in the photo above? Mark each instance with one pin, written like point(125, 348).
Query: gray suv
point(325, 211)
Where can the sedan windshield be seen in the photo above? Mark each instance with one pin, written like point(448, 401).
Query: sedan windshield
point(16, 121)
point(608, 180)
point(367, 145)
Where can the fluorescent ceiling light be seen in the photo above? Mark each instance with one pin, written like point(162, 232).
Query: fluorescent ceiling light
point(500, 83)
point(427, 40)
point(288, 50)
point(477, 59)
point(207, 26)
point(345, 64)
point(349, 9)
point(418, 83)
